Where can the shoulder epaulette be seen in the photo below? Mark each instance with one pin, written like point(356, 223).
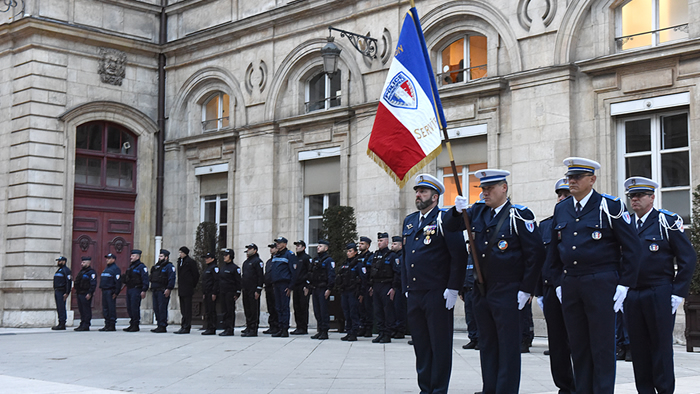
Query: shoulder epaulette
point(480, 202)
point(566, 199)
point(609, 197)
point(547, 218)
point(521, 207)
point(669, 213)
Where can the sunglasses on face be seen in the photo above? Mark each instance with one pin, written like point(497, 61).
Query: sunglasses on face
point(638, 195)
point(576, 177)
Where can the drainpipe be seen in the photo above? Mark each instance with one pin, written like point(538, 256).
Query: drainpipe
point(162, 40)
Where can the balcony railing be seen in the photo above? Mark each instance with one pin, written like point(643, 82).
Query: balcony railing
point(328, 102)
point(457, 75)
point(215, 124)
point(621, 41)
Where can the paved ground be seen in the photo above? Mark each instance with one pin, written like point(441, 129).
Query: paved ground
point(41, 361)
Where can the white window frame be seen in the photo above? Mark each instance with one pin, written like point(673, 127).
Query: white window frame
point(327, 92)
point(655, 152)
point(465, 55)
point(218, 199)
point(308, 218)
point(655, 33)
point(465, 176)
point(219, 114)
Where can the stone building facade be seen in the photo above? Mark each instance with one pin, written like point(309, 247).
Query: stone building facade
point(259, 140)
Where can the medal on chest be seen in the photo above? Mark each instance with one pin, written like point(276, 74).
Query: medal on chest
point(429, 231)
point(502, 244)
point(597, 235)
point(654, 247)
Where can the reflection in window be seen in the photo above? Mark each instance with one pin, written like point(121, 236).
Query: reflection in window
point(452, 63)
point(323, 92)
point(215, 112)
point(643, 23)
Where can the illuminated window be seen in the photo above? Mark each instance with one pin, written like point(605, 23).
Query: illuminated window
point(452, 64)
point(323, 92)
point(470, 190)
point(215, 112)
point(644, 23)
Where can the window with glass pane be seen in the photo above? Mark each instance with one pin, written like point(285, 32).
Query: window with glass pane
point(657, 146)
point(215, 112)
point(315, 206)
point(215, 210)
point(452, 63)
point(643, 23)
point(471, 190)
point(105, 156)
point(323, 92)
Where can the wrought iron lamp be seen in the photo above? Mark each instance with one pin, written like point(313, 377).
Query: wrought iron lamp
point(366, 45)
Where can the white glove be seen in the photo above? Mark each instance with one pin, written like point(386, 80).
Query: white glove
point(675, 302)
point(558, 291)
point(540, 302)
point(523, 297)
point(451, 297)
point(461, 203)
point(619, 298)
point(406, 293)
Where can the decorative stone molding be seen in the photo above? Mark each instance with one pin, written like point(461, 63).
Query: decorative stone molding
point(112, 66)
point(526, 13)
point(256, 77)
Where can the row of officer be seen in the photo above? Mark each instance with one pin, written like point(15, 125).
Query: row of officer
point(162, 281)
point(319, 281)
point(85, 284)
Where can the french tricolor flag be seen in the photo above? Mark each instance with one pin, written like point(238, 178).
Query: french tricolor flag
point(406, 131)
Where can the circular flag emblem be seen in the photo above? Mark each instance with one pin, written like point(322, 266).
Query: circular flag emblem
point(654, 247)
point(597, 235)
point(503, 245)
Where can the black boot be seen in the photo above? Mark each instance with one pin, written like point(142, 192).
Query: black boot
point(59, 327)
point(324, 335)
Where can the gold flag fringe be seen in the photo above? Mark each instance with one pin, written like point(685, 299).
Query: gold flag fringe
point(413, 171)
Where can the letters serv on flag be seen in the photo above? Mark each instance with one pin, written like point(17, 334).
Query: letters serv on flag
point(406, 131)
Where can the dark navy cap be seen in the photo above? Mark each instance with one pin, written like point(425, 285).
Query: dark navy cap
point(229, 252)
point(396, 238)
point(323, 242)
point(110, 256)
point(351, 245)
point(272, 245)
point(135, 251)
point(165, 252)
point(61, 258)
point(210, 254)
point(86, 258)
point(300, 242)
point(281, 240)
point(252, 246)
point(382, 235)
point(365, 239)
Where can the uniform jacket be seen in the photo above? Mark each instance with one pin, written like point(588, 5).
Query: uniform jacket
point(86, 281)
point(365, 261)
point(210, 279)
point(657, 253)
point(230, 278)
point(136, 276)
point(431, 260)
point(163, 276)
point(383, 266)
point(187, 276)
point(283, 263)
point(111, 278)
point(348, 277)
point(398, 262)
point(321, 272)
point(303, 262)
point(252, 276)
point(587, 243)
point(548, 273)
point(62, 279)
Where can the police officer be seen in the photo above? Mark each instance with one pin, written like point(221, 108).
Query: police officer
point(399, 296)
point(61, 289)
point(509, 246)
point(85, 283)
point(651, 305)
point(111, 285)
point(273, 318)
point(348, 283)
point(136, 282)
point(434, 264)
point(557, 337)
point(320, 281)
point(162, 284)
point(595, 247)
point(283, 275)
point(187, 279)
point(230, 286)
point(382, 279)
point(210, 290)
point(300, 298)
point(467, 296)
point(364, 257)
point(252, 280)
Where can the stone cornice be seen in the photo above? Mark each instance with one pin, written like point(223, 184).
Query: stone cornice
point(622, 59)
point(479, 87)
point(205, 137)
point(317, 117)
point(541, 76)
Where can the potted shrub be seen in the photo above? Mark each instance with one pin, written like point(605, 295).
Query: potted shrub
point(692, 302)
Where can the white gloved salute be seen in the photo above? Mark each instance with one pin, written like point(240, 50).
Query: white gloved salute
point(451, 298)
point(461, 203)
point(619, 298)
point(523, 298)
point(558, 291)
point(675, 302)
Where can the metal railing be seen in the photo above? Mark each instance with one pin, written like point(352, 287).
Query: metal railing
point(214, 124)
point(328, 102)
point(446, 77)
point(624, 39)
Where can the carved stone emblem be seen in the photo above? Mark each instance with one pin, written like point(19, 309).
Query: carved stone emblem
point(112, 68)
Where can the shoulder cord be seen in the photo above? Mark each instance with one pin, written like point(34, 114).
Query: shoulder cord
point(664, 226)
point(439, 222)
point(604, 208)
point(515, 214)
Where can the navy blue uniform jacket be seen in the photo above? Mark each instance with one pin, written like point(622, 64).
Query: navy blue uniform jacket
point(61, 279)
point(111, 279)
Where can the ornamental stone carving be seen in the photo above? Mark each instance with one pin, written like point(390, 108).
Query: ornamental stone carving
point(112, 68)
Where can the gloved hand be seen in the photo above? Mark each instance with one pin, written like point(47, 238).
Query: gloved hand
point(406, 293)
point(540, 302)
point(523, 298)
point(675, 302)
point(451, 298)
point(619, 298)
point(461, 203)
point(558, 291)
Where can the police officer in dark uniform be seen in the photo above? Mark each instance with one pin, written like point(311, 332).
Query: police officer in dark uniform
point(300, 298)
point(433, 270)
point(651, 305)
point(557, 337)
point(509, 246)
point(382, 279)
point(187, 279)
point(348, 281)
point(210, 290)
point(320, 281)
point(468, 298)
point(61, 288)
point(273, 318)
point(230, 286)
point(364, 257)
point(399, 296)
point(85, 283)
point(136, 282)
point(283, 275)
point(111, 285)
point(162, 284)
point(595, 247)
point(252, 280)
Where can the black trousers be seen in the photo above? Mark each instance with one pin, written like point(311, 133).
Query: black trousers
point(109, 307)
point(251, 308)
point(60, 305)
point(210, 311)
point(383, 308)
point(367, 311)
point(85, 309)
point(229, 304)
point(273, 320)
point(558, 340)
point(301, 308)
point(160, 307)
point(186, 311)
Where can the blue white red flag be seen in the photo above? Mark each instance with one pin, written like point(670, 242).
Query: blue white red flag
point(406, 131)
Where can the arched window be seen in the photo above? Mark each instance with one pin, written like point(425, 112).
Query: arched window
point(215, 112)
point(465, 59)
point(643, 23)
point(105, 157)
point(323, 92)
